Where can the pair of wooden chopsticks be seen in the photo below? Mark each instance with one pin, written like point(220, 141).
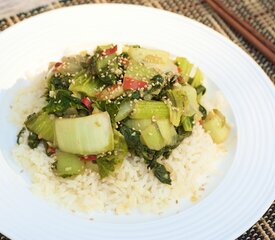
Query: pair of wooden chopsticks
point(245, 29)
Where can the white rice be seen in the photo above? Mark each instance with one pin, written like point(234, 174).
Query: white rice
point(133, 186)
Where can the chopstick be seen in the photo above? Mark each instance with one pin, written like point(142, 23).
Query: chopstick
point(245, 29)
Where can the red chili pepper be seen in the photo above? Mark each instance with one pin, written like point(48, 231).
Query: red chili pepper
point(133, 84)
point(179, 79)
point(56, 65)
point(125, 61)
point(51, 150)
point(109, 51)
point(87, 102)
point(88, 158)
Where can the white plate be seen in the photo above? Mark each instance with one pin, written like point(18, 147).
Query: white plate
point(245, 192)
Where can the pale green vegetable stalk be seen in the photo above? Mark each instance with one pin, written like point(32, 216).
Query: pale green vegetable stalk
point(185, 67)
point(191, 105)
point(175, 104)
point(215, 124)
point(149, 109)
point(125, 109)
point(152, 137)
point(68, 164)
point(138, 71)
point(197, 79)
point(167, 131)
point(138, 124)
point(42, 124)
point(85, 135)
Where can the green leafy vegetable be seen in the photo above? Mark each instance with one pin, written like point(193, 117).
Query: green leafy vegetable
point(112, 107)
point(108, 163)
point(85, 83)
point(200, 90)
point(105, 166)
point(161, 173)
point(156, 83)
point(19, 135)
point(182, 134)
point(167, 85)
point(150, 117)
point(203, 111)
point(62, 102)
point(59, 81)
point(150, 156)
point(187, 123)
point(106, 68)
point(49, 150)
point(121, 148)
point(33, 140)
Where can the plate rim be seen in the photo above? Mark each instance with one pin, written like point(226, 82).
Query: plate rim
point(210, 30)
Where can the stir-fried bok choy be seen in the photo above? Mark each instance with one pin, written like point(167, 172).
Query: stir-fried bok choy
point(104, 105)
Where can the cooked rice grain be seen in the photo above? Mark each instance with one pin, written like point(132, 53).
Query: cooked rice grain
point(133, 186)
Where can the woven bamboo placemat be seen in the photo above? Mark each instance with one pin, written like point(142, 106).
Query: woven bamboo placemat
point(261, 14)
